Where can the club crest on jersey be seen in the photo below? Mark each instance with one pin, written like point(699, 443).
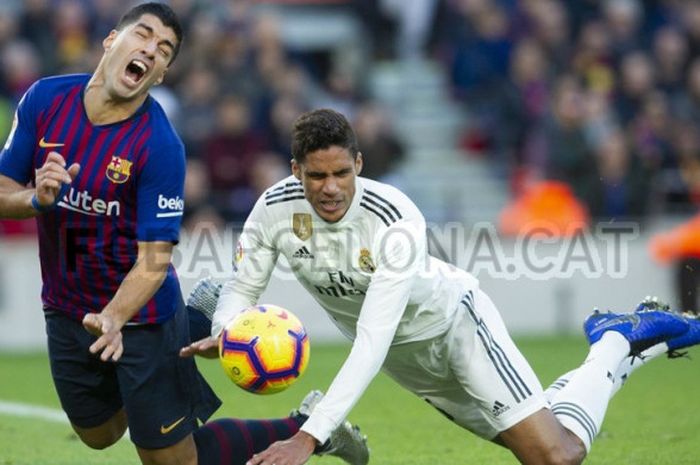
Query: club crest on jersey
point(366, 263)
point(238, 255)
point(301, 225)
point(119, 170)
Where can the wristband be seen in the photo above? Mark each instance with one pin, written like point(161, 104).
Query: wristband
point(41, 209)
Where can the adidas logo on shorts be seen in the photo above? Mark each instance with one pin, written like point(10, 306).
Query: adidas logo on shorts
point(499, 408)
point(303, 253)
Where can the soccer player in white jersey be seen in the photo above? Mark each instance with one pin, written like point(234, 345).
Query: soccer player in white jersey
point(359, 247)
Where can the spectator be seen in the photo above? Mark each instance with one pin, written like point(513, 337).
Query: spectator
point(229, 154)
point(558, 149)
point(621, 189)
point(377, 139)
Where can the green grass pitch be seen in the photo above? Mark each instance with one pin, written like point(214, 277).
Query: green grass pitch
point(654, 420)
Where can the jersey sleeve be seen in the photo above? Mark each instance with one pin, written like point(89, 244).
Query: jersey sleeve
point(254, 260)
point(17, 154)
point(159, 198)
point(402, 254)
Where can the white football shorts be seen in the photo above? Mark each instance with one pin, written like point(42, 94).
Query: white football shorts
point(474, 374)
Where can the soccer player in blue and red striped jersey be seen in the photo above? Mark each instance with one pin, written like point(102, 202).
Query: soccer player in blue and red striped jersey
point(96, 161)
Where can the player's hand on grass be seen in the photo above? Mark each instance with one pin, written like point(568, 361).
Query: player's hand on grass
point(207, 348)
point(294, 451)
point(52, 175)
point(109, 335)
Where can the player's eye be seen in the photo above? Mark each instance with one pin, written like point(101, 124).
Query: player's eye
point(165, 53)
point(141, 34)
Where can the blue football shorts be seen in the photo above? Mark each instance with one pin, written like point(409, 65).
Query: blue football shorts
point(163, 394)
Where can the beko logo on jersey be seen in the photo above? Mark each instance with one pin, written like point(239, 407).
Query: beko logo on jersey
point(175, 205)
point(83, 202)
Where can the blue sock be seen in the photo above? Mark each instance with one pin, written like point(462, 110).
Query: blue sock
point(229, 441)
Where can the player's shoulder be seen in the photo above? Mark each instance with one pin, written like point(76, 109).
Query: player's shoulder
point(283, 192)
point(163, 130)
point(387, 201)
point(63, 80)
point(45, 89)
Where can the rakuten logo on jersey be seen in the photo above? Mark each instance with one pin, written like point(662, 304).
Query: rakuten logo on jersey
point(175, 206)
point(83, 202)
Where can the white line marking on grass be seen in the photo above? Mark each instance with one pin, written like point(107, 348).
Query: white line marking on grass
point(19, 409)
point(33, 411)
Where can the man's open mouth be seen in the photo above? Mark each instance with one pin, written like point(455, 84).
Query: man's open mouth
point(136, 70)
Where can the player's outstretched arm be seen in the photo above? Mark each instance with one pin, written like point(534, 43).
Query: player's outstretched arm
point(293, 451)
point(140, 284)
point(207, 347)
point(18, 202)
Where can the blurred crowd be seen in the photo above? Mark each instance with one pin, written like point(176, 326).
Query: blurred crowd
point(232, 94)
point(601, 95)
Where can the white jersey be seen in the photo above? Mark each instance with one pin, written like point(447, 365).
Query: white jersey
point(370, 271)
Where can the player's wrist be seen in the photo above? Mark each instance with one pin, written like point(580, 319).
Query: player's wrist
point(308, 439)
point(39, 207)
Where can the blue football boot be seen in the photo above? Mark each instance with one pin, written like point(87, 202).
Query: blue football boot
point(688, 339)
point(642, 328)
point(685, 340)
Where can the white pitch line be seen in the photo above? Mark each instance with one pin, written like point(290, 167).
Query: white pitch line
point(19, 409)
point(33, 411)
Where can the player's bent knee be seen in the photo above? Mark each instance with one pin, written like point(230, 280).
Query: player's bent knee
point(564, 455)
point(98, 442)
point(105, 435)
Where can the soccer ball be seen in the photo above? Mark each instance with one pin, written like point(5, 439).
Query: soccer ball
point(264, 349)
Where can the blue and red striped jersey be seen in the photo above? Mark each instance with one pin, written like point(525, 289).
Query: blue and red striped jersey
point(129, 189)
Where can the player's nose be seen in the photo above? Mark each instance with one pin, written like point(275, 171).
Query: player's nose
point(150, 48)
point(330, 186)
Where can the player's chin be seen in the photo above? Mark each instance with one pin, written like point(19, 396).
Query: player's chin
point(129, 90)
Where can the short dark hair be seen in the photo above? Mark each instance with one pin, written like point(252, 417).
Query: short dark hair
point(161, 11)
point(320, 129)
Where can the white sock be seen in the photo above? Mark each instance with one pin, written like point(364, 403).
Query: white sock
point(580, 404)
point(626, 368)
point(630, 364)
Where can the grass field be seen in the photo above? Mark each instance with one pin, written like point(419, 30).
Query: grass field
point(654, 420)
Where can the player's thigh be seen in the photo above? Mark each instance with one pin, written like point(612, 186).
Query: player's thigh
point(164, 395)
point(183, 452)
point(86, 386)
point(424, 368)
point(490, 368)
point(541, 439)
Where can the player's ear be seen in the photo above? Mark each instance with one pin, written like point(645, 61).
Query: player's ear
point(160, 79)
point(109, 40)
point(296, 169)
point(359, 163)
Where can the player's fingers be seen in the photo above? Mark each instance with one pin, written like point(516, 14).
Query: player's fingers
point(187, 351)
point(59, 177)
point(92, 324)
point(107, 353)
point(55, 157)
point(49, 184)
point(73, 170)
point(98, 345)
point(257, 459)
point(54, 171)
point(118, 351)
point(112, 342)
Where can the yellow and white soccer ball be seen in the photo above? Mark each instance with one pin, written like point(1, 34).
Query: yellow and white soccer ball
point(264, 349)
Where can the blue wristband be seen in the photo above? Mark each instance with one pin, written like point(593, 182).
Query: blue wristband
point(41, 209)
